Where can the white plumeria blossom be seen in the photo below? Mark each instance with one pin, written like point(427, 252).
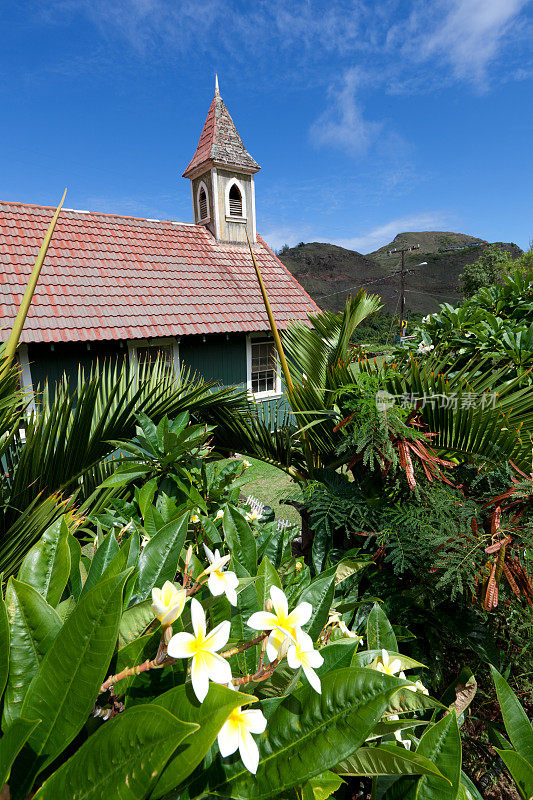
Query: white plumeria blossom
point(252, 516)
point(202, 647)
point(219, 514)
point(302, 654)
point(168, 603)
point(336, 622)
point(282, 624)
point(246, 464)
point(398, 734)
point(425, 348)
point(195, 518)
point(220, 582)
point(386, 666)
point(236, 733)
point(277, 645)
point(416, 686)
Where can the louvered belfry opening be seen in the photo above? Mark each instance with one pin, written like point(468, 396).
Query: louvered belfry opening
point(235, 201)
point(203, 204)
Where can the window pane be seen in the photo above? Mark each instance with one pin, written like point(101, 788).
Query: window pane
point(264, 364)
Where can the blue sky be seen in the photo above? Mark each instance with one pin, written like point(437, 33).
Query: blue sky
point(368, 118)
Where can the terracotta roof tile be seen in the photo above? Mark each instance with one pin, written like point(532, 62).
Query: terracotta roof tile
point(112, 277)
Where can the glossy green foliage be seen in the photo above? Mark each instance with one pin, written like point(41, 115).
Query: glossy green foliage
point(519, 729)
point(209, 716)
point(379, 633)
point(66, 684)
point(307, 734)
point(47, 565)
point(33, 626)
point(122, 760)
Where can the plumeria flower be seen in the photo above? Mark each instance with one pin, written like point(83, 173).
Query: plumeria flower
point(336, 622)
point(426, 319)
point(302, 654)
point(246, 464)
point(425, 348)
point(195, 518)
point(417, 686)
point(202, 648)
point(144, 541)
point(289, 625)
point(386, 666)
point(168, 603)
point(236, 733)
point(220, 582)
point(277, 645)
point(219, 514)
point(253, 516)
point(398, 734)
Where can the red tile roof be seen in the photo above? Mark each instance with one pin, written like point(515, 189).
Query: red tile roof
point(220, 141)
point(113, 277)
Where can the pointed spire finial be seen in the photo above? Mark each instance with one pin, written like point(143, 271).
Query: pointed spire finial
point(216, 84)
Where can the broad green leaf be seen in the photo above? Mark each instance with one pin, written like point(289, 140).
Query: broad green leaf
point(320, 594)
point(33, 626)
point(159, 559)
point(122, 760)
point(387, 760)
point(133, 654)
point(336, 655)
point(517, 724)
point(126, 473)
point(75, 580)
point(347, 567)
point(64, 689)
point(379, 633)
point(146, 495)
point(266, 577)
point(441, 744)
point(135, 621)
point(322, 786)
point(209, 715)
point(4, 646)
point(240, 539)
point(47, 565)
point(65, 608)
point(11, 744)
point(102, 558)
point(306, 735)
point(364, 658)
point(520, 769)
point(247, 604)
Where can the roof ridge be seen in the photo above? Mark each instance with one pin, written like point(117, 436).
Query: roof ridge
point(98, 213)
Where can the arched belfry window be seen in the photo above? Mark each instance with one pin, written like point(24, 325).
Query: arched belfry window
point(203, 202)
point(235, 201)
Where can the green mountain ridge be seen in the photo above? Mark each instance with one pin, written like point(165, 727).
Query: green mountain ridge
point(330, 273)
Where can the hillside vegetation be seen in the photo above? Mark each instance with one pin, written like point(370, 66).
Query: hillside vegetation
point(330, 273)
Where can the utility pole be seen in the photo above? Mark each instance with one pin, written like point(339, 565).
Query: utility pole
point(403, 251)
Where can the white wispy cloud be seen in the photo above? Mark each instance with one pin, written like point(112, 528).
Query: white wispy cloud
point(343, 124)
point(467, 35)
point(382, 234)
point(365, 242)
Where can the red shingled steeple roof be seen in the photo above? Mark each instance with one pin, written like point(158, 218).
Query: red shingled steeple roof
point(220, 141)
point(115, 277)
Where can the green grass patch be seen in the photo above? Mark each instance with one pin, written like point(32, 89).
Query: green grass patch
point(270, 485)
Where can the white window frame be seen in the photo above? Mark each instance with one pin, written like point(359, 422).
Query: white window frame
point(240, 187)
point(277, 392)
point(137, 344)
point(201, 186)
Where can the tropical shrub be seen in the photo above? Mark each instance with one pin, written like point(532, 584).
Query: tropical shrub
point(516, 752)
point(496, 322)
point(115, 665)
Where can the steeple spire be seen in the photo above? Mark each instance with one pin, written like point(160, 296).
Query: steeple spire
point(220, 141)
